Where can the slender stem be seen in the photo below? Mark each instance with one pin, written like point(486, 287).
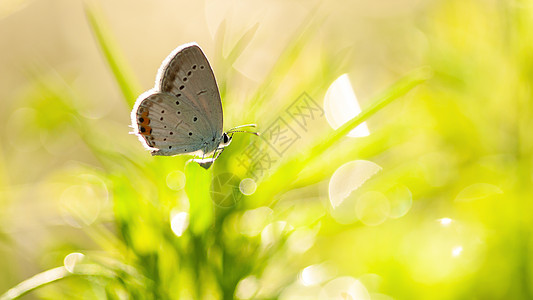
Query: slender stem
point(50, 276)
point(399, 89)
point(127, 82)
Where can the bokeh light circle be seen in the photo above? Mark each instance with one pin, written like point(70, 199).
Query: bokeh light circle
point(372, 208)
point(247, 186)
point(348, 178)
point(179, 223)
point(400, 199)
point(82, 203)
point(341, 105)
point(176, 180)
point(255, 220)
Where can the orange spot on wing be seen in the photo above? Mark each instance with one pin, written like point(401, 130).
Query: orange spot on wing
point(144, 119)
point(147, 130)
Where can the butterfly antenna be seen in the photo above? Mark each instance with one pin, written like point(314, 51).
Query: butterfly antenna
point(232, 130)
point(242, 126)
point(242, 131)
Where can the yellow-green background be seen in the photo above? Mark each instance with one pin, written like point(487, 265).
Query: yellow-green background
point(72, 180)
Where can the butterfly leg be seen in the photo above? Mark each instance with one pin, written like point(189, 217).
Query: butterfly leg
point(215, 153)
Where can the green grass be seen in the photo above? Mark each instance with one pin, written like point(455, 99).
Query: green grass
point(452, 133)
point(206, 259)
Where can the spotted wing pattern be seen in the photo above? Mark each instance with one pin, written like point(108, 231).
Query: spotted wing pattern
point(187, 73)
point(169, 126)
point(183, 112)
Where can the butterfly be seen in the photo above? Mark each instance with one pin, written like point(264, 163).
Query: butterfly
point(182, 113)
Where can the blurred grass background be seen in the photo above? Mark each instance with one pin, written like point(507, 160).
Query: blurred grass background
point(435, 203)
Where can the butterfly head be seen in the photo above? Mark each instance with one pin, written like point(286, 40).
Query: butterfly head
point(226, 137)
point(226, 140)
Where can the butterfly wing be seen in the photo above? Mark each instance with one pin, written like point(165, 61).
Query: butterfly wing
point(170, 125)
point(186, 73)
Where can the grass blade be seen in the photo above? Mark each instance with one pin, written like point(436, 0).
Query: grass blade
point(289, 170)
point(241, 44)
point(399, 89)
point(127, 82)
point(50, 276)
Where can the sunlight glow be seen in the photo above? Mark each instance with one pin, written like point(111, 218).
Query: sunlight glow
point(445, 221)
point(313, 275)
point(340, 106)
point(457, 250)
point(179, 223)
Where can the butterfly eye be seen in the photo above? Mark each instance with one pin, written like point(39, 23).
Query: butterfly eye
point(226, 138)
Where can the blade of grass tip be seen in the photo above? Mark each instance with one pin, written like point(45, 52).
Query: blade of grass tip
point(241, 44)
point(286, 60)
point(281, 68)
point(289, 170)
point(127, 82)
point(220, 36)
point(50, 276)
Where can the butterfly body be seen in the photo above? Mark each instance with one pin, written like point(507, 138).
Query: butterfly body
point(182, 114)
